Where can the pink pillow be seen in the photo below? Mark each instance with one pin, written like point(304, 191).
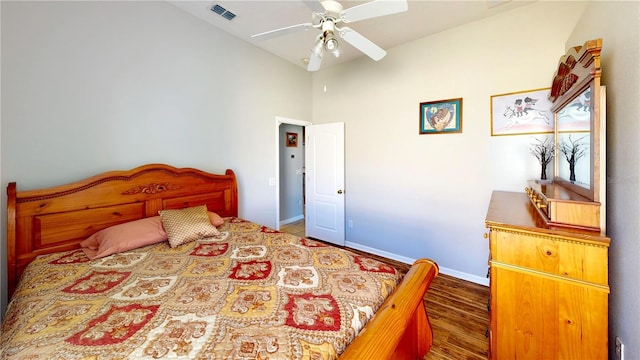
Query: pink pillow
point(123, 237)
point(215, 219)
point(130, 235)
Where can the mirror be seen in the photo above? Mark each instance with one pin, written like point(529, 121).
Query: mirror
point(579, 135)
point(574, 141)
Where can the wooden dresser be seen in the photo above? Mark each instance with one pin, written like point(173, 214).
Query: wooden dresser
point(549, 287)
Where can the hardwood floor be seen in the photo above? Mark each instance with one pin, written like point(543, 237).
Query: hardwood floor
point(457, 310)
point(295, 228)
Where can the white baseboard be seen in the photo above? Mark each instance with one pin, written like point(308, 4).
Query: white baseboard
point(293, 219)
point(465, 276)
point(458, 274)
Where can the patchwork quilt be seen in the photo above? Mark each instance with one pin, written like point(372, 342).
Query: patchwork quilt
point(249, 293)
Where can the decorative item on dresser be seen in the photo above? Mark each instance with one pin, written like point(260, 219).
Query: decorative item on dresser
point(548, 248)
point(544, 151)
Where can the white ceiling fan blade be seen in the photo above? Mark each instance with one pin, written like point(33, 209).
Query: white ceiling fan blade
point(282, 31)
point(373, 9)
point(362, 43)
point(315, 61)
point(314, 5)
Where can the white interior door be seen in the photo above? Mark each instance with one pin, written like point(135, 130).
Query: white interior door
point(325, 182)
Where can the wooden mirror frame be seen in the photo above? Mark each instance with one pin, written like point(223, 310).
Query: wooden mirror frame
point(579, 69)
point(563, 204)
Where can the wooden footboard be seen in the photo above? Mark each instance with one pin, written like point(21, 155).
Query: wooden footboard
point(401, 328)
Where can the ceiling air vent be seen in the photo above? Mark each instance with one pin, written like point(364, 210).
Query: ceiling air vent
point(223, 12)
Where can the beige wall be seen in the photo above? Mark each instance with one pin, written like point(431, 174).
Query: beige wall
point(412, 195)
point(618, 24)
point(96, 86)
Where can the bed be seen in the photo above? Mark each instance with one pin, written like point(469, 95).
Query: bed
point(243, 292)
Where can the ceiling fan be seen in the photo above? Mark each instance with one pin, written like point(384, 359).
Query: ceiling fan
point(327, 15)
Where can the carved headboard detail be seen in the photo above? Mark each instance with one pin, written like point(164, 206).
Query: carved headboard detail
point(58, 218)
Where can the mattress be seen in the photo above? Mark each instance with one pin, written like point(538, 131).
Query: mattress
point(248, 293)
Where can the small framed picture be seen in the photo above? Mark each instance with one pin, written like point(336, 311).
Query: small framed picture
point(442, 116)
point(523, 112)
point(291, 139)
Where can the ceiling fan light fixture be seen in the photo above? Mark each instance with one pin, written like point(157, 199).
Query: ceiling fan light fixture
point(333, 47)
point(318, 48)
point(331, 44)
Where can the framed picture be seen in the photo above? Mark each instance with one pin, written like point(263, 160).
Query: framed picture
point(291, 139)
point(442, 116)
point(523, 112)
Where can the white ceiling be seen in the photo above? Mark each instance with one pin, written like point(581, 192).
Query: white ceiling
point(424, 17)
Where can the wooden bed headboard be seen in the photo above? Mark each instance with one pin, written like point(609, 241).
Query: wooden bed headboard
point(58, 218)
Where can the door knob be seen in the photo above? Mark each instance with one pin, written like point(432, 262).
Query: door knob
point(339, 191)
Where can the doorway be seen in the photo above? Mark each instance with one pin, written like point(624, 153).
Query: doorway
point(318, 179)
point(290, 172)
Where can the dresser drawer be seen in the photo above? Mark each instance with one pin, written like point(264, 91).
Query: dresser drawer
point(570, 258)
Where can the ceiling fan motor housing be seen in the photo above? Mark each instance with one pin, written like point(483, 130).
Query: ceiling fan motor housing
point(333, 10)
